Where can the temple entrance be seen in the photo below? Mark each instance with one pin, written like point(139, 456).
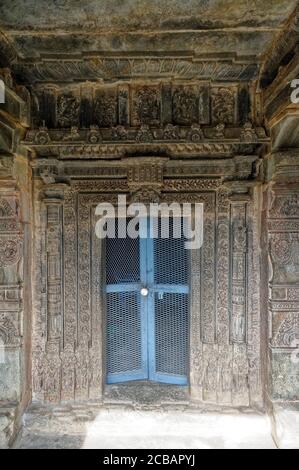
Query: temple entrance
point(147, 305)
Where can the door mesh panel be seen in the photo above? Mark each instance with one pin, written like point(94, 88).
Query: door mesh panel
point(124, 332)
point(122, 260)
point(171, 333)
point(171, 259)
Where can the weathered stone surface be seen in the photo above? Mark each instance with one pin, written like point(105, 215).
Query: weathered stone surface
point(286, 430)
point(94, 427)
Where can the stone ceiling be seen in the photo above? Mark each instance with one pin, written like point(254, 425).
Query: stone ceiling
point(45, 33)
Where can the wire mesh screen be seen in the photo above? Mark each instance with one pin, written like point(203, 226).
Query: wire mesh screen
point(171, 259)
point(124, 332)
point(122, 259)
point(171, 326)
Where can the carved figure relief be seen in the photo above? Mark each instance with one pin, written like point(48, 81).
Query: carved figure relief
point(223, 106)
point(105, 109)
point(185, 106)
point(67, 110)
point(146, 106)
point(239, 273)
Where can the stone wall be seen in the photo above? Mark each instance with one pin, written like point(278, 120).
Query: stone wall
point(15, 262)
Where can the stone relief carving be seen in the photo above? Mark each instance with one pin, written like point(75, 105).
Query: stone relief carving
point(196, 133)
point(42, 137)
point(10, 250)
point(146, 106)
point(11, 238)
point(54, 288)
point(248, 133)
point(185, 106)
point(223, 105)
point(9, 329)
point(105, 109)
point(67, 110)
point(74, 352)
point(285, 205)
point(285, 329)
point(284, 251)
point(239, 272)
point(144, 134)
point(94, 136)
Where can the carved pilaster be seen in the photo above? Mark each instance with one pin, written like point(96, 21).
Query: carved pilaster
point(239, 245)
point(70, 267)
point(54, 275)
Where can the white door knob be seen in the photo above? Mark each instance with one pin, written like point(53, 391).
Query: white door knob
point(144, 291)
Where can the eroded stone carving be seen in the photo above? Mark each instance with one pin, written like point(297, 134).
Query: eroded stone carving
point(223, 106)
point(67, 110)
point(146, 106)
point(239, 272)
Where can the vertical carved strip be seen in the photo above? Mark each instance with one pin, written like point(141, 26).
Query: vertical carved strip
point(240, 391)
point(239, 272)
point(224, 376)
point(68, 359)
point(223, 269)
point(208, 282)
point(96, 369)
point(254, 319)
point(84, 271)
point(239, 268)
point(210, 365)
point(84, 298)
point(52, 380)
point(39, 298)
point(54, 255)
point(70, 269)
point(196, 353)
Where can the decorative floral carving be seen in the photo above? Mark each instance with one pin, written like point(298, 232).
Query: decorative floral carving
point(196, 133)
point(285, 329)
point(290, 206)
point(42, 137)
point(94, 135)
point(281, 248)
point(10, 251)
point(144, 134)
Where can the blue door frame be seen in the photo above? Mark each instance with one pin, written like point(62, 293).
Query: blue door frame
point(147, 369)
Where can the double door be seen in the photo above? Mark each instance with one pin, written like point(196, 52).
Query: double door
point(147, 306)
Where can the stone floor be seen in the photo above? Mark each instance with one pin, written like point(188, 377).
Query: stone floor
point(94, 427)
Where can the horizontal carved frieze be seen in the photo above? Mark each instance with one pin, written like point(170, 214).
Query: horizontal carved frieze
point(170, 133)
point(81, 151)
point(117, 68)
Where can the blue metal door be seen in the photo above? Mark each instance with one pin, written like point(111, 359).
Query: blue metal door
point(147, 285)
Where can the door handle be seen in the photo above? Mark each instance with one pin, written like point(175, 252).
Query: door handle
point(144, 291)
